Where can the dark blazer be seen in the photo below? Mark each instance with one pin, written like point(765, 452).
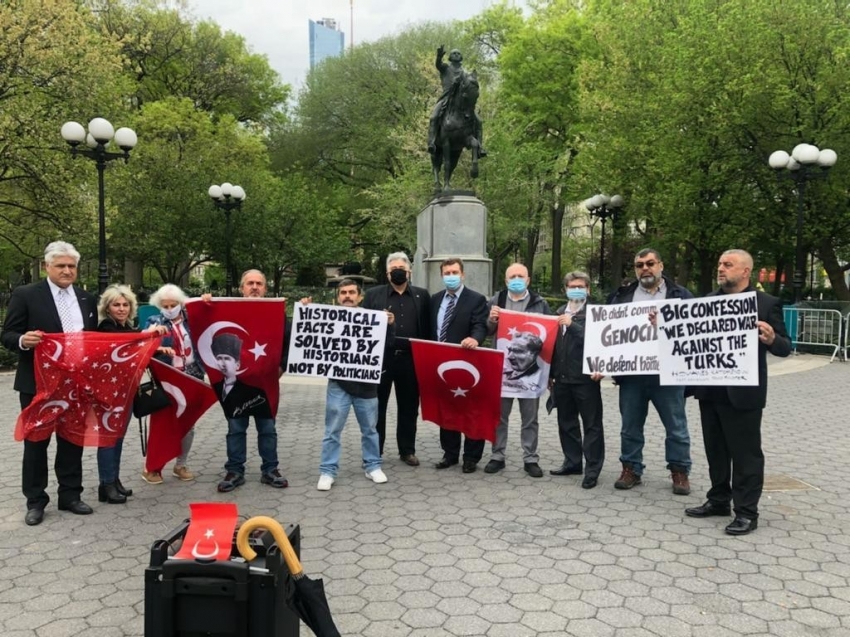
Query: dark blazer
point(377, 298)
point(32, 308)
point(770, 311)
point(470, 317)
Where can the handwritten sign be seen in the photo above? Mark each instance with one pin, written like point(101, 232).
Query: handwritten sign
point(709, 341)
point(619, 340)
point(342, 343)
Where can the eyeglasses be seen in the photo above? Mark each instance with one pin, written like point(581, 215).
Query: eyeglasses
point(639, 265)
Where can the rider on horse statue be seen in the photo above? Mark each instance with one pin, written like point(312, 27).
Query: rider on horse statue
point(449, 75)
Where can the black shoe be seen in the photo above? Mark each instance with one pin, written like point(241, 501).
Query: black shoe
point(445, 463)
point(108, 492)
point(564, 470)
point(122, 489)
point(708, 510)
point(230, 482)
point(742, 526)
point(410, 459)
point(34, 517)
point(469, 466)
point(77, 507)
point(494, 466)
point(589, 482)
point(533, 469)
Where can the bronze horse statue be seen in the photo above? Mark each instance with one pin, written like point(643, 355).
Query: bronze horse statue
point(458, 129)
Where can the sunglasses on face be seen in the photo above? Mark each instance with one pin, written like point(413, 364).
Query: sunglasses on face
point(639, 265)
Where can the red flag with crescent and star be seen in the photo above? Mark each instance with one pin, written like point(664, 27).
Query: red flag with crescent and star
point(190, 399)
point(528, 341)
point(459, 389)
point(85, 385)
point(210, 532)
point(250, 333)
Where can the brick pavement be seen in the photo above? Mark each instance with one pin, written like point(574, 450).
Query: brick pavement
point(434, 554)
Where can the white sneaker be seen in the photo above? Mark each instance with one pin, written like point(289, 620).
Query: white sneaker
point(325, 482)
point(377, 476)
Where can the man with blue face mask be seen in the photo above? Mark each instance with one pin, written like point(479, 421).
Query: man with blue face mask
point(518, 298)
point(576, 394)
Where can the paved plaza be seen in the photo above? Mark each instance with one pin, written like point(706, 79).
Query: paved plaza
point(439, 553)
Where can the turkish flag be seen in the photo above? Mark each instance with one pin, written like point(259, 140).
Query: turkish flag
point(210, 532)
point(250, 332)
point(190, 399)
point(85, 384)
point(528, 341)
point(459, 389)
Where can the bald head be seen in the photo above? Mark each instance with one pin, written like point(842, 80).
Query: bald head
point(734, 269)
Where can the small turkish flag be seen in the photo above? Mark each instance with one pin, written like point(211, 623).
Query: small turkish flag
point(459, 389)
point(190, 399)
point(210, 532)
point(528, 341)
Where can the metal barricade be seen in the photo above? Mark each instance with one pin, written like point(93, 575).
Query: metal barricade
point(815, 327)
point(846, 334)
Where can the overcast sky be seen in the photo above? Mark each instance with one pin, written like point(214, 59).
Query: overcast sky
point(278, 28)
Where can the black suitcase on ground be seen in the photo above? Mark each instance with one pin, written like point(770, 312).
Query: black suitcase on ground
point(190, 598)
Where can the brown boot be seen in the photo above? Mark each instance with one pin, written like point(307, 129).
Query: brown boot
point(627, 479)
point(681, 486)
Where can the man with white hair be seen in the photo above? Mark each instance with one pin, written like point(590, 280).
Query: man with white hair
point(52, 305)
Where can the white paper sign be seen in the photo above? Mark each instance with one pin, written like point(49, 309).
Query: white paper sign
point(709, 341)
point(342, 343)
point(619, 340)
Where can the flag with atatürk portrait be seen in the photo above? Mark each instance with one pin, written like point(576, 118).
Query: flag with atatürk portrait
point(85, 385)
point(528, 341)
point(459, 388)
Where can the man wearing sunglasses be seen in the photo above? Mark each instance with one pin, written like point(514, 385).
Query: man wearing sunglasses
point(636, 392)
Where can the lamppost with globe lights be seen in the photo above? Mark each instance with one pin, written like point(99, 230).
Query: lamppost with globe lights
point(98, 137)
point(227, 197)
point(604, 208)
point(805, 163)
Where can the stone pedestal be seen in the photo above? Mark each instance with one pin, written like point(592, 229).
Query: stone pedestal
point(453, 225)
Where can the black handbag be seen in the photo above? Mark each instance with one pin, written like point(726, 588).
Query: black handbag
point(149, 398)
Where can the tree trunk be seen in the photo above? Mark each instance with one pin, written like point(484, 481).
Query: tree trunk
point(557, 236)
point(833, 270)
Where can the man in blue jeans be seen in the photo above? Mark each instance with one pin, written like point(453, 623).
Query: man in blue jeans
point(344, 394)
point(636, 392)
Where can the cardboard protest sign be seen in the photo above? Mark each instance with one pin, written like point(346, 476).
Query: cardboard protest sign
point(341, 343)
point(709, 341)
point(619, 340)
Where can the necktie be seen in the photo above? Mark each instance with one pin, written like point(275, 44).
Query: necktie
point(63, 306)
point(447, 317)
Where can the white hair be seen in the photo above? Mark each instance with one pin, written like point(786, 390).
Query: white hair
point(168, 292)
point(58, 249)
point(398, 256)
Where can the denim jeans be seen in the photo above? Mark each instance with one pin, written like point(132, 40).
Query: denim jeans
point(636, 392)
point(237, 444)
point(339, 402)
point(109, 462)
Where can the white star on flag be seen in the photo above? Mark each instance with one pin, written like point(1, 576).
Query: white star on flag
point(512, 332)
point(209, 534)
point(459, 392)
point(258, 350)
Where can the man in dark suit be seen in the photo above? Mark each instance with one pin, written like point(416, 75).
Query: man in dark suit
point(410, 307)
point(731, 416)
point(458, 315)
point(52, 305)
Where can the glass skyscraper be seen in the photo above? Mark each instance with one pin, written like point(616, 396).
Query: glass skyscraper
point(326, 40)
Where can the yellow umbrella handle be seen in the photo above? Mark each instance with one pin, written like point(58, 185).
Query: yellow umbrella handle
point(279, 535)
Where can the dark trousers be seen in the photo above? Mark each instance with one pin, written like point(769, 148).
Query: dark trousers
point(585, 400)
point(735, 459)
point(68, 467)
point(399, 370)
point(450, 442)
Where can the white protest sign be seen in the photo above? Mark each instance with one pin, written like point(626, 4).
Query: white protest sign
point(619, 340)
point(709, 341)
point(342, 343)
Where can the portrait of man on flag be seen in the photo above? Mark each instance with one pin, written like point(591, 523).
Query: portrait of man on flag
point(527, 341)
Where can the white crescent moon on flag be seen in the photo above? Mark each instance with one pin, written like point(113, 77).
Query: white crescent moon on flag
point(456, 364)
point(178, 396)
point(59, 403)
point(58, 351)
point(541, 329)
point(106, 368)
point(204, 556)
point(72, 395)
point(117, 358)
point(206, 338)
point(104, 419)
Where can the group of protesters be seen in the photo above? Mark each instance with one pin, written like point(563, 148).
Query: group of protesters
point(730, 415)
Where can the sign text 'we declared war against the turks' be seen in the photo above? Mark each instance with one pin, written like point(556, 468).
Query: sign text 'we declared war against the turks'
point(342, 343)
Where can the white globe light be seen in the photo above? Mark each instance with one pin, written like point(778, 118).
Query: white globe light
point(215, 192)
point(91, 142)
point(805, 153)
point(101, 130)
point(73, 133)
point(793, 164)
point(827, 158)
point(226, 189)
point(778, 159)
point(617, 201)
point(126, 138)
point(597, 201)
point(605, 199)
point(238, 193)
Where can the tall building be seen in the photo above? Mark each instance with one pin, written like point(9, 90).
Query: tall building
point(326, 40)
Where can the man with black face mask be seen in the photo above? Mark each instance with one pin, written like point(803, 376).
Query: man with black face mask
point(411, 307)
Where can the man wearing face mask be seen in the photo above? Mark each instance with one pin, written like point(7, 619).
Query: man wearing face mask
point(518, 298)
point(458, 315)
point(576, 394)
point(636, 392)
point(411, 307)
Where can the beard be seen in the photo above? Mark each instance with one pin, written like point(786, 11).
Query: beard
point(647, 281)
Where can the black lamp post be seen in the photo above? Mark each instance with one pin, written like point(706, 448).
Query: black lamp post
point(806, 162)
point(99, 135)
point(604, 207)
point(227, 197)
